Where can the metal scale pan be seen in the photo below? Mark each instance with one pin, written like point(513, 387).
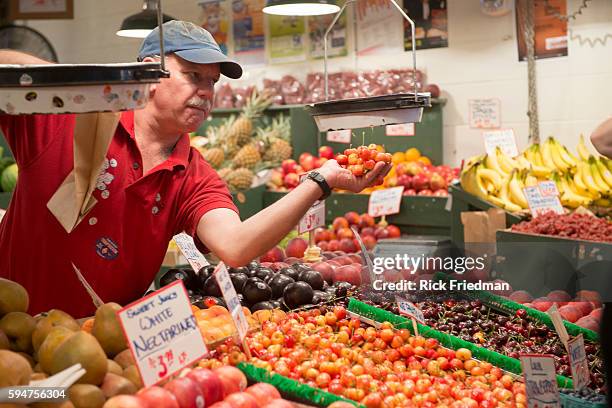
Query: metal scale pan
point(374, 110)
point(67, 88)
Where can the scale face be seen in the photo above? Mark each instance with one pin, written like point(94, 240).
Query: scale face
point(370, 111)
point(65, 88)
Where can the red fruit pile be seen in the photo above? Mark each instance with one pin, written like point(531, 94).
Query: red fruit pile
point(577, 226)
point(423, 179)
point(362, 159)
point(340, 236)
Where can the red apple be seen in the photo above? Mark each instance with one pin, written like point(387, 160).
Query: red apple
point(326, 151)
point(279, 403)
point(125, 401)
point(369, 241)
point(425, 192)
point(187, 392)
point(440, 193)
point(401, 169)
point(157, 397)
point(325, 269)
point(367, 221)
point(437, 182)
point(307, 161)
point(420, 182)
point(275, 254)
point(433, 89)
point(404, 180)
point(263, 393)
point(242, 400)
point(348, 273)
point(232, 378)
point(340, 222)
point(289, 166)
point(347, 245)
point(209, 382)
point(381, 233)
point(352, 217)
point(410, 192)
point(276, 178)
point(296, 247)
point(291, 180)
point(414, 168)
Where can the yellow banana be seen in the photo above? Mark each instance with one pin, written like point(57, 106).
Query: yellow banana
point(605, 173)
point(530, 180)
point(569, 199)
point(473, 160)
point(547, 156)
point(471, 183)
point(587, 177)
point(604, 188)
point(491, 162)
point(566, 155)
point(577, 186)
point(504, 196)
point(507, 164)
point(603, 202)
point(556, 155)
point(583, 152)
point(607, 162)
point(516, 192)
point(490, 175)
point(536, 155)
point(557, 179)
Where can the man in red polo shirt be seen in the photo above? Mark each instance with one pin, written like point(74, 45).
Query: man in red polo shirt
point(152, 186)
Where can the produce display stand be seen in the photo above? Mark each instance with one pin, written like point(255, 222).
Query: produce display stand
point(463, 201)
point(418, 214)
point(305, 136)
point(532, 261)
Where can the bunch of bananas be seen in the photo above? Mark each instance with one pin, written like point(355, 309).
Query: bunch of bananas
point(499, 179)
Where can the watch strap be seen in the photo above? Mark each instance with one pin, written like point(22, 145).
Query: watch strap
point(320, 180)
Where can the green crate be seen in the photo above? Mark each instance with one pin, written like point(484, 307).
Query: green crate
point(568, 401)
point(418, 214)
point(5, 199)
point(249, 202)
point(463, 201)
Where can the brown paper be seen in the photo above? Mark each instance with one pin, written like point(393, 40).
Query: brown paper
point(479, 229)
point(72, 201)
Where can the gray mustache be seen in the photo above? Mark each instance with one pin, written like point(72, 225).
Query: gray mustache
point(200, 103)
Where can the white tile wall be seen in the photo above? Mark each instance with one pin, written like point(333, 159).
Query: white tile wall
point(481, 61)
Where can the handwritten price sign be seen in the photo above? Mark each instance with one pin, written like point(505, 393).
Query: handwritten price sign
point(578, 362)
point(162, 333)
point(484, 113)
point(540, 381)
point(231, 300)
point(385, 202)
point(542, 199)
point(503, 138)
point(402, 129)
point(314, 217)
point(339, 136)
point(191, 252)
point(409, 309)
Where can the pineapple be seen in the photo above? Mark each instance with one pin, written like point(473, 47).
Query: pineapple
point(240, 131)
point(248, 156)
point(224, 172)
point(214, 156)
point(240, 179)
point(276, 140)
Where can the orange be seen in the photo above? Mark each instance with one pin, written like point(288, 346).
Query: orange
point(412, 154)
point(398, 157)
point(424, 160)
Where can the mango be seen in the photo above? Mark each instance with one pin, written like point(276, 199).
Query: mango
point(125, 359)
point(83, 348)
point(132, 374)
point(14, 369)
point(13, 297)
point(18, 327)
point(107, 329)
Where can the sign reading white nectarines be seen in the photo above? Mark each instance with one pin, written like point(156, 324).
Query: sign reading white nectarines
point(162, 333)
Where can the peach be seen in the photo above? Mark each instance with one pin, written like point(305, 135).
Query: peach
point(597, 313)
point(296, 247)
point(584, 307)
point(588, 322)
point(521, 296)
point(570, 313)
point(559, 296)
point(542, 304)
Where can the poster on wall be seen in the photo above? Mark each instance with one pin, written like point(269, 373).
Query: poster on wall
point(431, 24)
point(215, 20)
point(336, 40)
point(550, 32)
point(248, 30)
point(287, 39)
point(379, 27)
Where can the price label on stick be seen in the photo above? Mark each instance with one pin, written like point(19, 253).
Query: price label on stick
point(409, 309)
point(385, 202)
point(542, 199)
point(339, 136)
point(231, 300)
point(162, 333)
point(503, 138)
point(540, 381)
point(555, 316)
point(314, 217)
point(578, 361)
point(191, 252)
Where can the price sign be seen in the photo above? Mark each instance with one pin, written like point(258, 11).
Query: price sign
point(385, 202)
point(503, 138)
point(314, 217)
point(231, 299)
point(339, 136)
point(578, 362)
point(409, 309)
point(402, 129)
point(191, 252)
point(543, 199)
point(484, 113)
point(162, 333)
point(555, 316)
point(540, 381)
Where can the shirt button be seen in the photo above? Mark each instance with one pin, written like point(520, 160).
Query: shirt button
point(155, 210)
point(93, 221)
point(135, 166)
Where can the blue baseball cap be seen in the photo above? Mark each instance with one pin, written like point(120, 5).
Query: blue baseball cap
point(190, 42)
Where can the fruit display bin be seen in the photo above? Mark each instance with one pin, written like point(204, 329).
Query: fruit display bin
point(463, 201)
point(569, 401)
point(571, 264)
point(418, 214)
point(506, 363)
point(292, 389)
point(249, 202)
point(305, 136)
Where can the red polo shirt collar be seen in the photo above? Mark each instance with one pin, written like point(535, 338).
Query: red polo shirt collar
point(180, 153)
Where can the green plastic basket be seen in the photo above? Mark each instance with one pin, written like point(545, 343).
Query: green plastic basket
point(292, 389)
point(448, 340)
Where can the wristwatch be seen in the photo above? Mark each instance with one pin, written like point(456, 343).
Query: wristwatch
point(320, 180)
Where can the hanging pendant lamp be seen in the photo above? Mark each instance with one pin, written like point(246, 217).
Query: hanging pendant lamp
point(139, 25)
